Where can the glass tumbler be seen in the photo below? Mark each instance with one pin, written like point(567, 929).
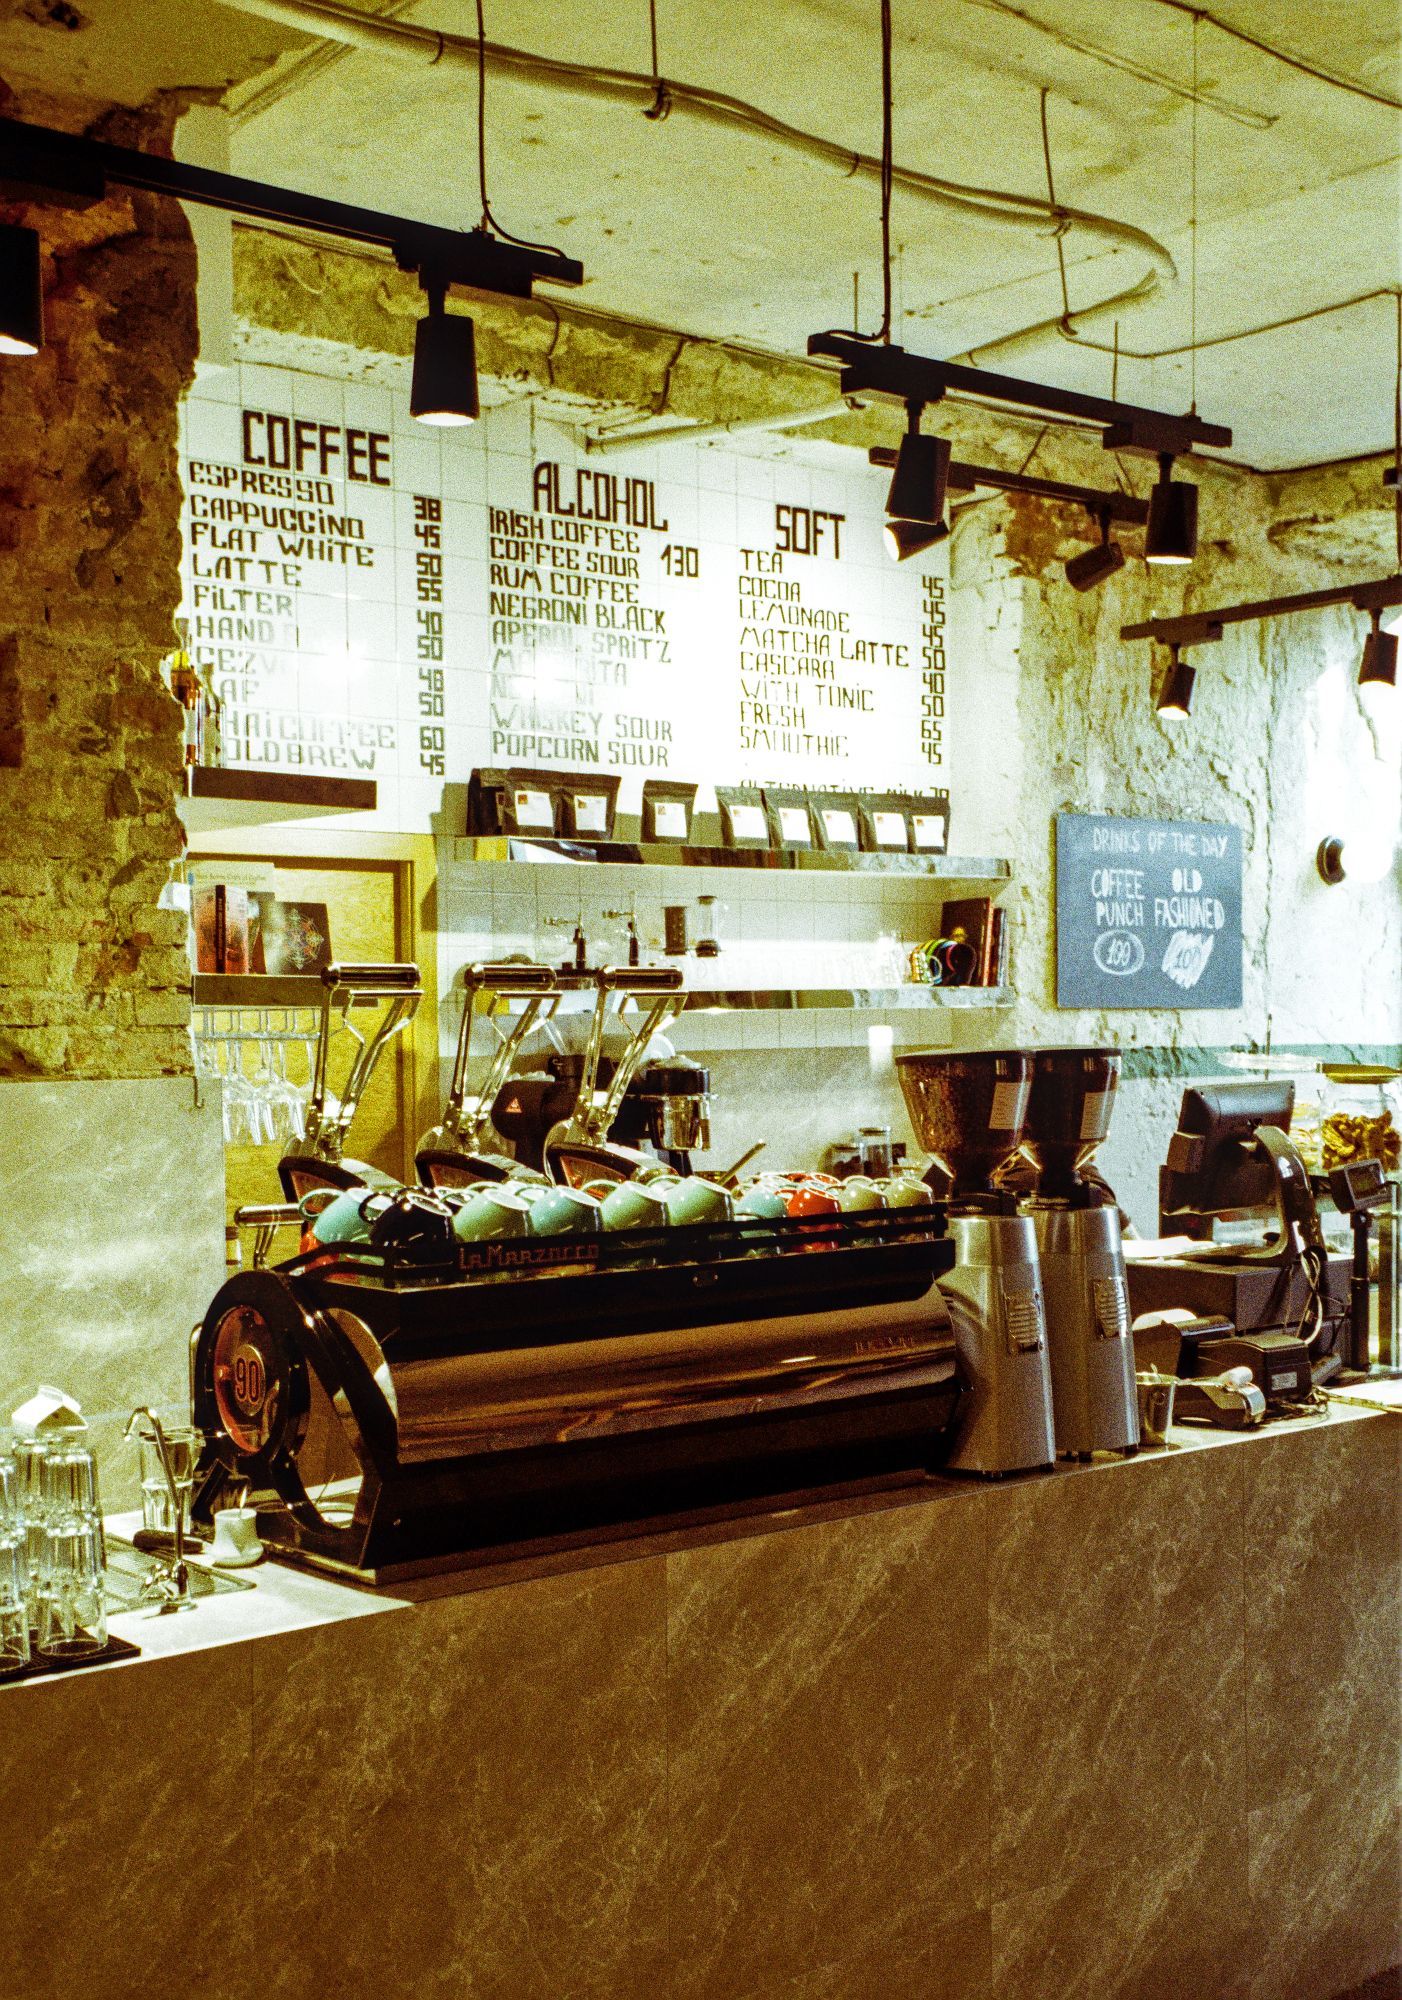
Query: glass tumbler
point(14, 1575)
point(183, 1445)
point(29, 1455)
point(72, 1610)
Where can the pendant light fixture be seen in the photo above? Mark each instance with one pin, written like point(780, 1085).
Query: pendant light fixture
point(444, 388)
point(1176, 689)
point(915, 500)
point(1379, 663)
point(21, 291)
point(1172, 532)
point(1092, 566)
point(911, 538)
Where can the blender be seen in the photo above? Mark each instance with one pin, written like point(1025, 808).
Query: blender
point(967, 1111)
point(1077, 1222)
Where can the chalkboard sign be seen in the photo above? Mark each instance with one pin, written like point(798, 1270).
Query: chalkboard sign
point(1148, 912)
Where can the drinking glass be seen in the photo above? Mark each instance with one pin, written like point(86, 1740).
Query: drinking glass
point(72, 1610)
point(183, 1445)
point(14, 1574)
point(29, 1455)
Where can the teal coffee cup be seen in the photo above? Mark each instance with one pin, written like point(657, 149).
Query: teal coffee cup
point(759, 1200)
point(563, 1211)
point(341, 1220)
point(630, 1204)
point(490, 1213)
point(694, 1201)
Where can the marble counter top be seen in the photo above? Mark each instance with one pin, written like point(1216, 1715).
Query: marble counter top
point(285, 1600)
point(1127, 1731)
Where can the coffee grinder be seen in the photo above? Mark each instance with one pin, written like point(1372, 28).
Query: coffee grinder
point(1094, 1398)
point(967, 1111)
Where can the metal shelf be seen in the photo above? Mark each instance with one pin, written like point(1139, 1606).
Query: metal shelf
point(219, 799)
point(257, 989)
point(545, 851)
point(883, 999)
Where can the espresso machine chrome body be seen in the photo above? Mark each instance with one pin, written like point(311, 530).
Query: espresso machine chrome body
point(415, 1403)
point(1078, 1240)
point(967, 1111)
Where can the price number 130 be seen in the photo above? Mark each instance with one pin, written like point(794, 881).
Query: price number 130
point(679, 560)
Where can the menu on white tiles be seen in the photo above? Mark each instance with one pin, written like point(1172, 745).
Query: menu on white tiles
point(371, 599)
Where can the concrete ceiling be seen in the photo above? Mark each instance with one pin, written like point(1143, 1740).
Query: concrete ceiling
point(1299, 181)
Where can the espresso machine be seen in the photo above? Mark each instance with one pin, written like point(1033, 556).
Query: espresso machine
point(1094, 1398)
point(968, 1111)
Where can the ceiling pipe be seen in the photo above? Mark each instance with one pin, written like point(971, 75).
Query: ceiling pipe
point(431, 48)
point(620, 439)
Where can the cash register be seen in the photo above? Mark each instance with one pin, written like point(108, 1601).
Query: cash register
point(1262, 1291)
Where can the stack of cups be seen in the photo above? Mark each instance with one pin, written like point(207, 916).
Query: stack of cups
point(72, 1611)
point(14, 1575)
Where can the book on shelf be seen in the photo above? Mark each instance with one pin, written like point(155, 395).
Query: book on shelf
point(971, 920)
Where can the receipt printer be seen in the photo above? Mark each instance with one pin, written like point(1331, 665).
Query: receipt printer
point(1279, 1364)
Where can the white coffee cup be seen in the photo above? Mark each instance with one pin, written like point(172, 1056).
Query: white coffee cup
point(236, 1542)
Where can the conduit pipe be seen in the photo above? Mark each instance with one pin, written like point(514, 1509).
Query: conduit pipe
point(406, 41)
point(621, 439)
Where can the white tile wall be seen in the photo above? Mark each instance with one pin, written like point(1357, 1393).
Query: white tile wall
point(790, 931)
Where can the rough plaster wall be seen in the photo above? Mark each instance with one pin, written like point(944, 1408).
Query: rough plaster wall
point(1057, 714)
point(93, 976)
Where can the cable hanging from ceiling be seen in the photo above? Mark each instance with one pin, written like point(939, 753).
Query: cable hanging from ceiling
point(1314, 70)
point(408, 41)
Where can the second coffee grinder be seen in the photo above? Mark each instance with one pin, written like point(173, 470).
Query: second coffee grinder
point(1094, 1398)
point(967, 1111)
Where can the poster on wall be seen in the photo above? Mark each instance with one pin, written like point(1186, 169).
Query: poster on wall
point(1148, 912)
point(372, 599)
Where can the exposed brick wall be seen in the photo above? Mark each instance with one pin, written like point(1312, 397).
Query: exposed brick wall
point(93, 976)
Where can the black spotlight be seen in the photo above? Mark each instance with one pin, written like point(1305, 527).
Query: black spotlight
point(1094, 565)
point(1176, 691)
point(912, 538)
point(1172, 532)
point(1379, 667)
point(921, 476)
point(444, 389)
point(21, 291)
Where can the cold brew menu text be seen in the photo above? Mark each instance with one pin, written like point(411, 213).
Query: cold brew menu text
point(369, 598)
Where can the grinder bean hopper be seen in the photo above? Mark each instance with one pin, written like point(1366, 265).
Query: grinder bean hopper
point(318, 1160)
point(967, 1111)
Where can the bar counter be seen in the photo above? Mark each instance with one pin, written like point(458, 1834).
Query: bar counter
point(1128, 1729)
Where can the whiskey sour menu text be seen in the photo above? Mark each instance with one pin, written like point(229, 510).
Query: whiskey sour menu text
point(371, 599)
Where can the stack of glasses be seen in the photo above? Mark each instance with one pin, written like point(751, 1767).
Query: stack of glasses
point(51, 1556)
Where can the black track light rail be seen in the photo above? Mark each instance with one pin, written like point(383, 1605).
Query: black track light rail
point(875, 368)
point(1116, 506)
point(1197, 628)
point(39, 164)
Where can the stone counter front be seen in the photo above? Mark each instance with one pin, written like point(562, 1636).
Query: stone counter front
point(1131, 1730)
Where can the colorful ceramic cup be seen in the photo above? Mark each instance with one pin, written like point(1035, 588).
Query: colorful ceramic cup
point(489, 1213)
